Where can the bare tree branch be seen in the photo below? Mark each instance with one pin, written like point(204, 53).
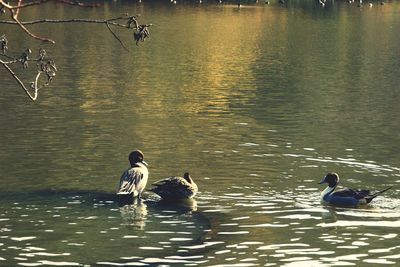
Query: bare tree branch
point(109, 21)
point(39, 2)
point(75, 3)
point(116, 37)
point(45, 65)
point(19, 4)
point(36, 88)
point(44, 39)
point(7, 5)
point(15, 12)
point(10, 62)
point(131, 21)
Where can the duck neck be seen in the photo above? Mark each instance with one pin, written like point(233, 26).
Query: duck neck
point(137, 164)
point(329, 190)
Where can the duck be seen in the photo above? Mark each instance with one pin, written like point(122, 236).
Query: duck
point(175, 188)
point(134, 179)
point(345, 197)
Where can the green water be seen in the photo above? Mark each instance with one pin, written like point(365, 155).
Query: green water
point(257, 103)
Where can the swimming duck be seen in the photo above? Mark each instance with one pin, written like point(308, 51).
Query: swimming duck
point(175, 188)
point(134, 179)
point(346, 197)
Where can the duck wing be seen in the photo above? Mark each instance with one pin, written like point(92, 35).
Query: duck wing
point(353, 193)
point(133, 181)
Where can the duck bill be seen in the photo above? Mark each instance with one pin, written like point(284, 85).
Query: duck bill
point(322, 181)
point(145, 163)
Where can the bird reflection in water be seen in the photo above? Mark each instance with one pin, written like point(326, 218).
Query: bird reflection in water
point(183, 206)
point(135, 214)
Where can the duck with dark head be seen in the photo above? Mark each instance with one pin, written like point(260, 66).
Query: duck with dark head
point(175, 188)
point(345, 197)
point(133, 180)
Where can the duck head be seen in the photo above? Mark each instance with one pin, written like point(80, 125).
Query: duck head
point(332, 179)
point(135, 157)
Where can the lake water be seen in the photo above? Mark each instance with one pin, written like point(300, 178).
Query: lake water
point(258, 103)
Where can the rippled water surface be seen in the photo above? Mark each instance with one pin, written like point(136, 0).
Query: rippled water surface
point(257, 103)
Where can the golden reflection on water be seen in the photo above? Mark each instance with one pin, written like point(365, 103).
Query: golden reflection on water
point(222, 66)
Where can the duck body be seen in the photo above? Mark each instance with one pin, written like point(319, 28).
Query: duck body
point(345, 197)
point(175, 188)
point(133, 180)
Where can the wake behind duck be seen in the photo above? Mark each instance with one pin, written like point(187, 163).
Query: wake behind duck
point(346, 197)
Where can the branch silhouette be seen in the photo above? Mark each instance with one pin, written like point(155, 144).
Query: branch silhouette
point(46, 66)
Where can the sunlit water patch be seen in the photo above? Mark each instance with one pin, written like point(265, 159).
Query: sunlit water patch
point(247, 223)
point(250, 226)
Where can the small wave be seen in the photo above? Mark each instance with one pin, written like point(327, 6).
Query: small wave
point(360, 223)
point(233, 233)
point(23, 238)
point(50, 263)
point(204, 245)
point(151, 248)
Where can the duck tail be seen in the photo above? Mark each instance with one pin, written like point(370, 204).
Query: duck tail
point(374, 195)
point(382, 191)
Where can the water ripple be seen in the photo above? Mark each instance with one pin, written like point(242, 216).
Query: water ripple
point(361, 223)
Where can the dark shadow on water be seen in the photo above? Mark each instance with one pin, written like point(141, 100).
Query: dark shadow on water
point(180, 207)
point(87, 196)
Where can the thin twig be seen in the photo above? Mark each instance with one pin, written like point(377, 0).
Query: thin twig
point(74, 3)
point(18, 9)
point(67, 21)
point(18, 6)
point(34, 97)
point(6, 4)
point(116, 37)
point(35, 84)
point(39, 2)
point(44, 39)
point(124, 17)
point(108, 22)
point(14, 10)
point(7, 56)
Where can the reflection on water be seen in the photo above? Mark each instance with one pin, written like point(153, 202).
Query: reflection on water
point(257, 102)
point(134, 215)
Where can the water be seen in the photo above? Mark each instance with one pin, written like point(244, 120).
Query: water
point(257, 103)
